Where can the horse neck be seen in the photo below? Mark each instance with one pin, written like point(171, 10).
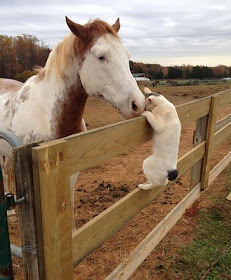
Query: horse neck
point(68, 109)
point(62, 74)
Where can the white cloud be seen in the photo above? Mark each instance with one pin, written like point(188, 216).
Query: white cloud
point(151, 29)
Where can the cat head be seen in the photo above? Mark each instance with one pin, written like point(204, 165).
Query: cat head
point(152, 100)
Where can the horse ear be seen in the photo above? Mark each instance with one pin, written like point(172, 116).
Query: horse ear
point(79, 30)
point(116, 25)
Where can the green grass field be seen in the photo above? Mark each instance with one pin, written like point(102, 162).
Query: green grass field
point(193, 82)
point(208, 256)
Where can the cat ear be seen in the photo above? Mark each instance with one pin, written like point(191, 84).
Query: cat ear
point(147, 90)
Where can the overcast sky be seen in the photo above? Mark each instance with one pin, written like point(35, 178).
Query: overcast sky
point(168, 32)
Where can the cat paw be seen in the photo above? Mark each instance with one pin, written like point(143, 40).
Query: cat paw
point(140, 186)
point(144, 186)
point(145, 114)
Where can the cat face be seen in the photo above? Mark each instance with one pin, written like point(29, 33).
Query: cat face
point(152, 100)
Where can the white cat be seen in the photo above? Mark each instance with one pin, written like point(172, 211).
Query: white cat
point(161, 166)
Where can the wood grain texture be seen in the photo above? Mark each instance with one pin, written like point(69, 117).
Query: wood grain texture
point(221, 134)
point(199, 136)
point(53, 210)
point(26, 210)
point(224, 98)
point(188, 160)
point(209, 141)
point(93, 147)
point(193, 110)
point(221, 123)
point(216, 171)
point(126, 268)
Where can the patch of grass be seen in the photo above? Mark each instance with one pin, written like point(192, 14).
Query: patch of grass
point(208, 256)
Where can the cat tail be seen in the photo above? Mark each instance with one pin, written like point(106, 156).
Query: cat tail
point(172, 174)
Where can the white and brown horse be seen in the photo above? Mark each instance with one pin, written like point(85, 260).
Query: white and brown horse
point(90, 61)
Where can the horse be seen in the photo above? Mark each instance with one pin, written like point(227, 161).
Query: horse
point(90, 61)
point(156, 83)
point(172, 83)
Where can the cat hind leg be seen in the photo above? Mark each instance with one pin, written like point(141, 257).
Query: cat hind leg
point(146, 186)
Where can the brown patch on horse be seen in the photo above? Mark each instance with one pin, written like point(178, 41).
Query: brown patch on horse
point(67, 114)
point(11, 104)
point(24, 94)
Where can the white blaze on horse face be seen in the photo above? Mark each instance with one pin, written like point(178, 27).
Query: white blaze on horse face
point(105, 73)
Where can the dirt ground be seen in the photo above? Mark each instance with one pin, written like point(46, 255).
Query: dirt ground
point(99, 187)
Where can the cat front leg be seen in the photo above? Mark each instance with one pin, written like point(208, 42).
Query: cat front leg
point(149, 116)
point(156, 122)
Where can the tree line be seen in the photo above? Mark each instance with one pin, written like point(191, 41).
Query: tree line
point(19, 55)
point(156, 71)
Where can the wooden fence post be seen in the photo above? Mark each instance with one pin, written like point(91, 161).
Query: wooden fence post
point(209, 142)
point(26, 215)
point(199, 136)
point(53, 210)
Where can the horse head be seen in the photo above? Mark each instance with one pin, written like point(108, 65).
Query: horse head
point(104, 66)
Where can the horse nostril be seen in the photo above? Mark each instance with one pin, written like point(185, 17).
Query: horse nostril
point(134, 106)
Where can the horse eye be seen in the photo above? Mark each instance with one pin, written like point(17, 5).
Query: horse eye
point(101, 58)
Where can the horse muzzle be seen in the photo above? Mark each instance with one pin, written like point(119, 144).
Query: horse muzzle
point(134, 109)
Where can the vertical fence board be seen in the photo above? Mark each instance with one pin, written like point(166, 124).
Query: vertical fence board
point(53, 209)
point(209, 141)
point(229, 197)
point(26, 216)
point(199, 136)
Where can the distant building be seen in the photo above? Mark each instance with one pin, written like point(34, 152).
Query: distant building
point(137, 75)
point(140, 77)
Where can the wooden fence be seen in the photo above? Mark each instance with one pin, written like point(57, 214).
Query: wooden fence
point(43, 172)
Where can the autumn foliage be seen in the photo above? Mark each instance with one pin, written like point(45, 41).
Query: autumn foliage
point(156, 71)
point(19, 55)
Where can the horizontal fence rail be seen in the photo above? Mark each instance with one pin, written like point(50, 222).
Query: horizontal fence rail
point(91, 148)
point(125, 269)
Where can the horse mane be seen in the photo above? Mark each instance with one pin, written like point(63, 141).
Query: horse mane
point(101, 27)
point(71, 47)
